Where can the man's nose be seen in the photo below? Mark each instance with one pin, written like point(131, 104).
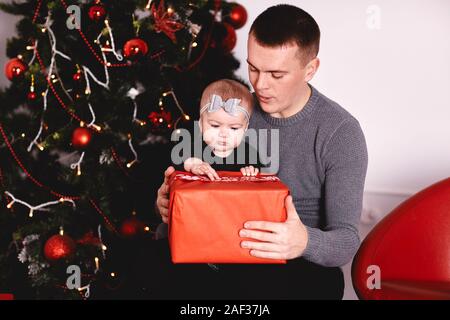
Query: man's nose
point(261, 82)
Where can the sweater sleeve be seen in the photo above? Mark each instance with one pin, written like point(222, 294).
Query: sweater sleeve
point(345, 163)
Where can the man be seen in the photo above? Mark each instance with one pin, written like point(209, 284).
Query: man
point(323, 161)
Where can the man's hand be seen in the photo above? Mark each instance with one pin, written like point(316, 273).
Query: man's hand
point(162, 201)
point(278, 240)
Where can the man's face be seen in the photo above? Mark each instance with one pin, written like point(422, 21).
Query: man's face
point(278, 76)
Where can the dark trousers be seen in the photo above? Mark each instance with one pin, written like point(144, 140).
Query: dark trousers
point(298, 279)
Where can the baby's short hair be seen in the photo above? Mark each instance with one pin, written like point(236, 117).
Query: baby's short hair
point(228, 89)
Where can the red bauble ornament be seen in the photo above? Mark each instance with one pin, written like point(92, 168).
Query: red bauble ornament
point(97, 12)
point(135, 48)
point(32, 96)
point(132, 227)
point(230, 40)
point(81, 137)
point(77, 76)
point(237, 17)
point(15, 68)
point(59, 247)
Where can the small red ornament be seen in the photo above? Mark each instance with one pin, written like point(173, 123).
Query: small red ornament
point(160, 119)
point(15, 68)
point(81, 137)
point(32, 96)
point(77, 76)
point(97, 12)
point(134, 48)
point(132, 227)
point(237, 17)
point(59, 247)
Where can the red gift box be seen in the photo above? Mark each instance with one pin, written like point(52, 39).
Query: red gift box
point(205, 216)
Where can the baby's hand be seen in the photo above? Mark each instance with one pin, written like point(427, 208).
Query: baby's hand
point(205, 169)
point(249, 171)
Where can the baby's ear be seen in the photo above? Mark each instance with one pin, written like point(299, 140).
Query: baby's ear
point(200, 125)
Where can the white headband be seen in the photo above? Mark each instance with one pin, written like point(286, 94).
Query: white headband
point(231, 106)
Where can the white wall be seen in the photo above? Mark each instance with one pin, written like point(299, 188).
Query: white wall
point(395, 81)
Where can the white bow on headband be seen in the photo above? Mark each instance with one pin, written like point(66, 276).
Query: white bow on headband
point(231, 106)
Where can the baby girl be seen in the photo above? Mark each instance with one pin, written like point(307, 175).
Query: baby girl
point(226, 107)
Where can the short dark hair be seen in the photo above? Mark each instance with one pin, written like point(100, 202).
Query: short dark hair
point(283, 24)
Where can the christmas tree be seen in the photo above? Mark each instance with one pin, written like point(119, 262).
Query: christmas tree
point(97, 88)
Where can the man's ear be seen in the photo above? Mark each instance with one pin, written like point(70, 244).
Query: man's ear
point(311, 69)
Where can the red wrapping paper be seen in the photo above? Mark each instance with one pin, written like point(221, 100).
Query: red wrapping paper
point(205, 216)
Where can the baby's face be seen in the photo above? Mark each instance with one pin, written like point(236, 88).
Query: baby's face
point(222, 131)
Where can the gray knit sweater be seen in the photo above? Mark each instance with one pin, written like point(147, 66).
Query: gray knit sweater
point(323, 161)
